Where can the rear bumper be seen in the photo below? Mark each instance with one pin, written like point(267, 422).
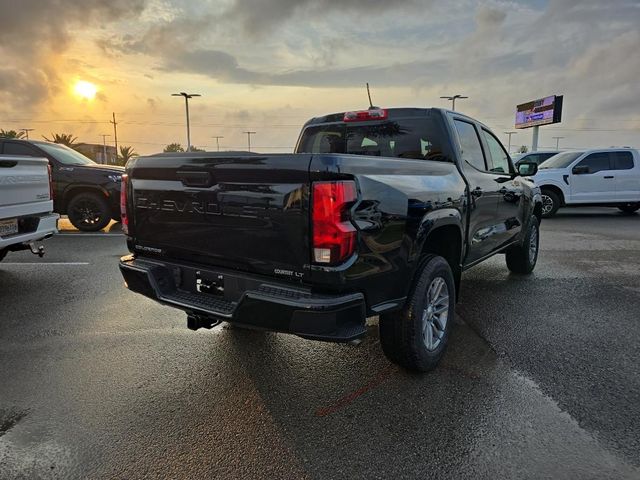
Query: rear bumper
point(248, 300)
point(43, 227)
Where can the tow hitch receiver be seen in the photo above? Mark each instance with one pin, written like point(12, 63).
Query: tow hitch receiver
point(36, 250)
point(194, 322)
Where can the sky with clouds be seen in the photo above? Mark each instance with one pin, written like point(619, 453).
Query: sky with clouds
point(268, 65)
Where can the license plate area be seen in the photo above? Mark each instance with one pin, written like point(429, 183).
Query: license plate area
point(8, 227)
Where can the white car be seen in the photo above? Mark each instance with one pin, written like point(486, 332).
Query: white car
point(26, 204)
point(603, 177)
point(537, 157)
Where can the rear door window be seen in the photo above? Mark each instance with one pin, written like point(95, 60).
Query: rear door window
point(622, 160)
point(596, 162)
point(470, 144)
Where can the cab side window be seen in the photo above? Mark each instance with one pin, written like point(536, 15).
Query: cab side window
point(596, 162)
point(470, 144)
point(498, 157)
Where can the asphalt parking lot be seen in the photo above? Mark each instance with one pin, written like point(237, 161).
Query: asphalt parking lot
point(542, 379)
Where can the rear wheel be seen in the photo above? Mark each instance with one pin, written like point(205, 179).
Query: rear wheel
point(550, 203)
point(416, 337)
point(89, 212)
point(630, 208)
point(523, 258)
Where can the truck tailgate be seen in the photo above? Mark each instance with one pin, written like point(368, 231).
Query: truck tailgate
point(248, 212)
point(24, 186)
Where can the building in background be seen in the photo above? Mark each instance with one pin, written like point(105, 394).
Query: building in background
point(95, 152)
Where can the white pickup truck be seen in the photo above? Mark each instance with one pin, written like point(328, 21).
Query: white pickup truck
point(604, 177)
point(26, 204)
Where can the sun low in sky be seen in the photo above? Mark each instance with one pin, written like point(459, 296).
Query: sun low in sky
point(85, 90)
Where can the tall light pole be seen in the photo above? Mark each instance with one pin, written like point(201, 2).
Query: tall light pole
point(104, 147)
point(509, 147)
point(26, 131)
point(557, 139)
point(249, 138)
point(218, 137)
point(187, 96)
point(453, 98)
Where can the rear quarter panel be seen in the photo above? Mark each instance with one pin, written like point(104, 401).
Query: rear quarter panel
point(401, 201)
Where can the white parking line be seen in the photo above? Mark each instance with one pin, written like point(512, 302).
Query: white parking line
point(43, 263)
point(89, 235)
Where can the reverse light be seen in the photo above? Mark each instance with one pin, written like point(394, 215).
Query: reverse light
point(366, 115)
point(123, 204)
point(334, 237)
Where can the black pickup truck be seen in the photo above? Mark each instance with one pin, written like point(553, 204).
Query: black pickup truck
point(377, 213)
point(88, 192)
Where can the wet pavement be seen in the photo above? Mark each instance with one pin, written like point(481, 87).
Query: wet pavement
point(542, 378)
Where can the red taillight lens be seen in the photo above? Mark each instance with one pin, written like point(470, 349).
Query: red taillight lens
point(50, 182)
point(124, 185)
point(334, 237)
point(365, 115)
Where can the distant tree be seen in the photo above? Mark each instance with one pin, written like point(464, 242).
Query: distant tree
point(523, 149)
point(126, 152)
point(196, 149)
point(63, 139)
point(11, 134)
point(173, 147)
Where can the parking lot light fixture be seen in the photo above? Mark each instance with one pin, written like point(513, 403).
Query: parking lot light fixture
point(187, 96)
point(453, 98)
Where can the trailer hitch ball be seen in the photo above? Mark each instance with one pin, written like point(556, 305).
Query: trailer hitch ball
point(36, 250)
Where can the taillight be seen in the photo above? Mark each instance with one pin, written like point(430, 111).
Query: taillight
point(334, 237)
point(366, 115)
point(123, 203)
point(50, 181)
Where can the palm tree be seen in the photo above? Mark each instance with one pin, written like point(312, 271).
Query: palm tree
point(173, 147)
point(125, 154)
point(11, 134)
point(62, 138)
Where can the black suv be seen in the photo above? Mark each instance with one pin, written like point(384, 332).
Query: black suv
point(89, 193)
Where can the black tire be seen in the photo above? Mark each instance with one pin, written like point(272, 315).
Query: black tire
point(89, 212)
point(403, 335)
point(630, 208)
point(550, 203)
point(523, 258)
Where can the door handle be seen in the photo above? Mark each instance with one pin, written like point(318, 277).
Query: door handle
point(608, 176)
point(477, 192)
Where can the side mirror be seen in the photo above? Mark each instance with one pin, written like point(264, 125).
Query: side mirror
point(580, 169)
point(527, 169)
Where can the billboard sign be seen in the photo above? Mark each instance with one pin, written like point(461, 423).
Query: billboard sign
point(543, 111)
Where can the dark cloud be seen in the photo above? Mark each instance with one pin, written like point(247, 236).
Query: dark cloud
point(224, 67)
point(257, 17)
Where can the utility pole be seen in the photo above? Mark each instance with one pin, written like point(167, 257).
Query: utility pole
point(115, 132)
point(104, 147)
point(509, 147)
point(249, 138)
point(453, 98)
point(557, 139)
point(218, 137)
point(187, 96)
point(26, 131)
